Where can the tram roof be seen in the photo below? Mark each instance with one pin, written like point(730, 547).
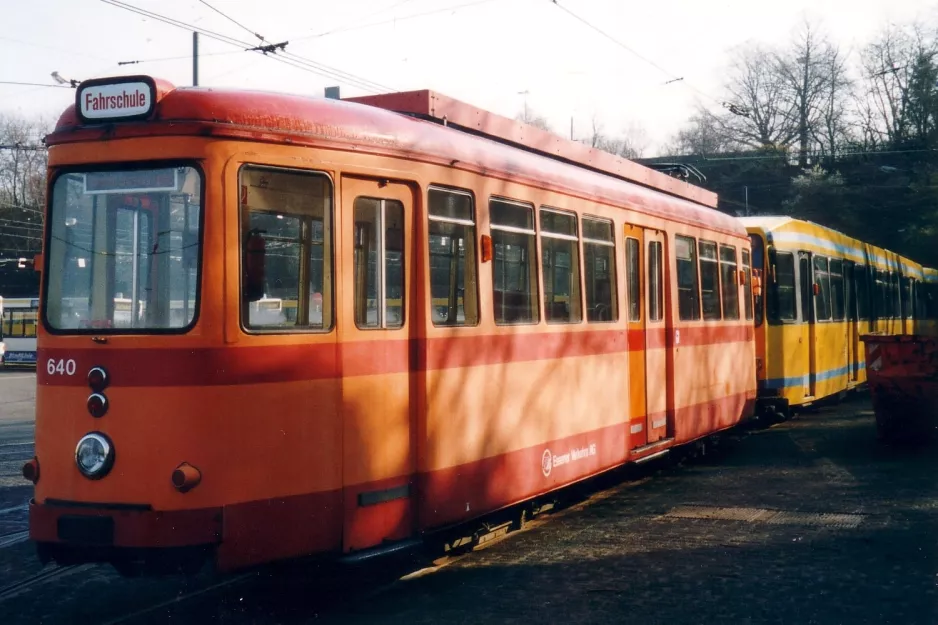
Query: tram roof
point(792, 231)
point(405, 124)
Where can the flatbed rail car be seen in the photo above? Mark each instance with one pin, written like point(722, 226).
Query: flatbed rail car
point(18, 323)
point(472, 322)
point(823, 290)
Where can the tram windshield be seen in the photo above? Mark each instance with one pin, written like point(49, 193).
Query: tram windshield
point(123, 253)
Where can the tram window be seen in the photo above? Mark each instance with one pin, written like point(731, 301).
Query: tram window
point(729, 282)
point(892, 297)
point(782, 299)
point(758, 265)
point(861, 280)
point(19, 323)
point(287, 253)
point(599, 261)
point(822, 278)
point(452, 242)
point(655, 281)
point(905, 291)
point(124, 250)
point(919, 306)
point(709, 280)
point(560, 259)
point(514, 272)
point(838, 298)
point(633, 270)
point(747, 286)
point(931, 301)
point(378, 263)
point(688, 293)
point(880, 294)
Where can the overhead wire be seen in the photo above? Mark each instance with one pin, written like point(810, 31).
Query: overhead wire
point(671, 75)
point(360, 26)
point(180, 57)
point(33, 84)
point(233, 21)
point(282, 57)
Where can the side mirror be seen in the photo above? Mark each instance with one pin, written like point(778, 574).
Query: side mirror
point(255, 256)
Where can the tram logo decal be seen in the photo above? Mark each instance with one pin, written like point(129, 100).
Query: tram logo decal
point(550, 460)
point(546, 463)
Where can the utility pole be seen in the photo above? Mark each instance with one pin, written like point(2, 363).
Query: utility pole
point(747, 200)
point(571, 128)
point(195, 59)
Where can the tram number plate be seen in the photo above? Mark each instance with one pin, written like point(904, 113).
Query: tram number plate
point(60, 366)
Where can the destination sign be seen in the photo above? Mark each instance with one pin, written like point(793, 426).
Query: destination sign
point(115, 100)
point(140, 181)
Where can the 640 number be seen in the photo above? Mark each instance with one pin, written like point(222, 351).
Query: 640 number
point(60, 366)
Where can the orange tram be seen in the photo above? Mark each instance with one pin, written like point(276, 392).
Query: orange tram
point(274, 326)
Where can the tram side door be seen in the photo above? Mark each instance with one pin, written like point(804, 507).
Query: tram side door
point(806, 287)
point(656, 351)
point(644, 253)
point(376, 307)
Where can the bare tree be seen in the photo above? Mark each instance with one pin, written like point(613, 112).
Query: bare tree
point(898, 97)
point(631, 143)
point(530, 117)
point(22, 184)
point(831, 130)
point(760, 111)
point(805, 73)
point(702, 135)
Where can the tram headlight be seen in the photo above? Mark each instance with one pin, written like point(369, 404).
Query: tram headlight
point(94, 455)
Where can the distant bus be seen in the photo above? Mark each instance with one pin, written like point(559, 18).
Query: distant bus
point(18, 331)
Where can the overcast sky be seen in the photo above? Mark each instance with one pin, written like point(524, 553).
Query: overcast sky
point(483, 52)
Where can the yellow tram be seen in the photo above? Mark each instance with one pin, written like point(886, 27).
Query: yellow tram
point(822, 290)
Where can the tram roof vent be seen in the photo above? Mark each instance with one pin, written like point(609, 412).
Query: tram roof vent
point(442, 109)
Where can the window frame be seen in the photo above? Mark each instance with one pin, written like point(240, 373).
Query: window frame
point(734, 279)
point(535, 288)
point(247, 329)
point(773, 308)
point(472, 223)
point(749, 305)
point(715, 261)
point(613, 265)
point(843, 288)
point(861, 275)
point(634, 286)
point(655, 295)
point(905, 297)
point(575, 239)
point(381, 252)
point(816, 279)
point(698, 316)
point(47, 241)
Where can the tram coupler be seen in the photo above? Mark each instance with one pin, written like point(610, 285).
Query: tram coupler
point(773, 409)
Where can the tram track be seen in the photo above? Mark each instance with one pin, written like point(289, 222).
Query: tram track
point(13, 538)
point(48, 574)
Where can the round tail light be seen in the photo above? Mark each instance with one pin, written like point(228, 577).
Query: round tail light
point(97, 405)
point(98, 379)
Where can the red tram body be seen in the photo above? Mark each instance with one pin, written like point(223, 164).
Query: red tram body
point(277, 326)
